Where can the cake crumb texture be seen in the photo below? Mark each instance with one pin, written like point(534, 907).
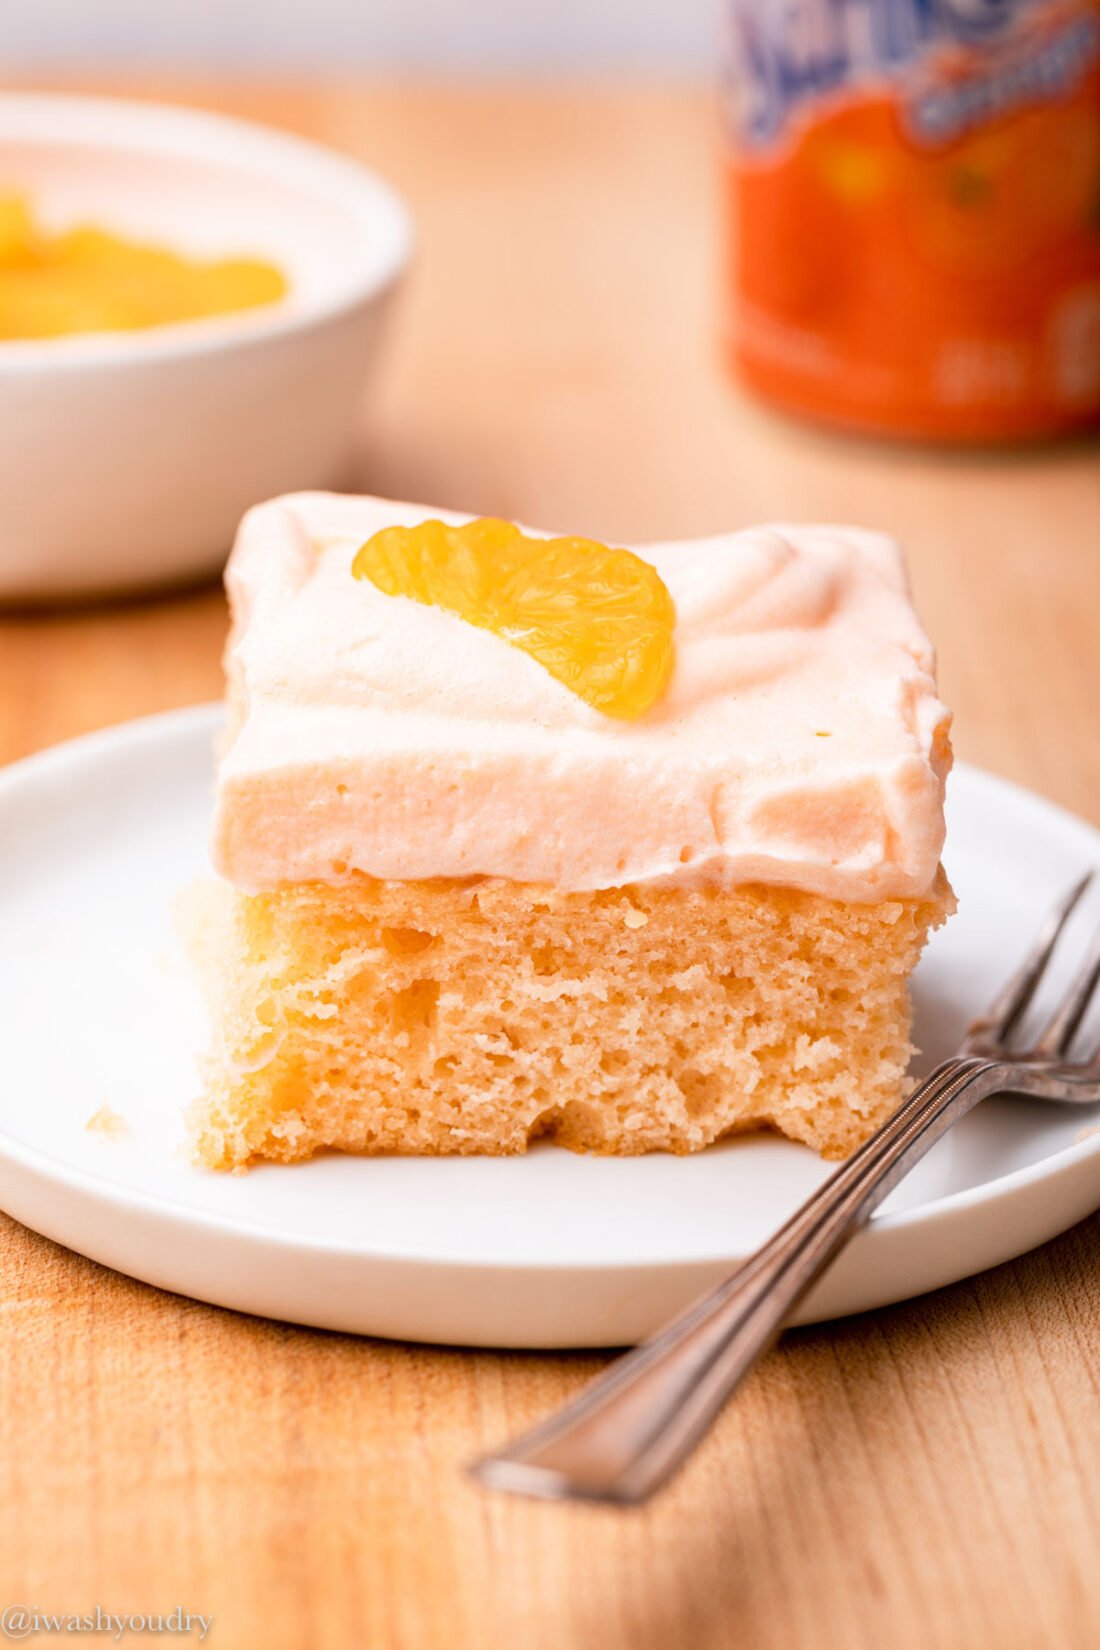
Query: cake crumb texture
point(108, 1122)
point(459, 1017)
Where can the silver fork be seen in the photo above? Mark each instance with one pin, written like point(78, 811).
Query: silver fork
point(636, 1424)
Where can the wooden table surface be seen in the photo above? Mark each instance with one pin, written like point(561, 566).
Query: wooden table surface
point(925, 1476)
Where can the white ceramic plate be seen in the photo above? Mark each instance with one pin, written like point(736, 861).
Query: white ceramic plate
point(97, 1006)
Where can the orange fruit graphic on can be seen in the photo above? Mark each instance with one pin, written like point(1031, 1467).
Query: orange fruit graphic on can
point(914, 193)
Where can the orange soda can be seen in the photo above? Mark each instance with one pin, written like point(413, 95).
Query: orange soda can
point(914, 187)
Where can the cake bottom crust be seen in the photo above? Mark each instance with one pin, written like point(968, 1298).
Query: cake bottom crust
point(429, 1018)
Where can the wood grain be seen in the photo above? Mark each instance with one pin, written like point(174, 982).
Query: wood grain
point(927, 1476)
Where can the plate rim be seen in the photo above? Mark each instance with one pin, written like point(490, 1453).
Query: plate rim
point(203, 718)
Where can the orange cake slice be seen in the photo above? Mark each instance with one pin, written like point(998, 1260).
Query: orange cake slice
point(526, 836)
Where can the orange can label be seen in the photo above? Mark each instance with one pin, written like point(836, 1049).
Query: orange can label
point(915, 193)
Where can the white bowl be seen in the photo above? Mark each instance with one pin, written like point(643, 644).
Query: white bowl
point(127, 459)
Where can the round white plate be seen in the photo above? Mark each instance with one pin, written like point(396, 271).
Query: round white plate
point(98, 837)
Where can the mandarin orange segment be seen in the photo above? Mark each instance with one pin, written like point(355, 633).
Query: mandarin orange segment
point(599, 620)
point(17, 238)
point(87, 279)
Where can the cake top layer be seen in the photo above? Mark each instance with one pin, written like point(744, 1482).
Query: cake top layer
point(799, 742)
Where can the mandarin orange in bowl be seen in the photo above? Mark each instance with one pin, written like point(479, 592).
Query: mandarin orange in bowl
point(190, 310)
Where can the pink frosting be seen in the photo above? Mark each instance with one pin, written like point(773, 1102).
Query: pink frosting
point(800, 740)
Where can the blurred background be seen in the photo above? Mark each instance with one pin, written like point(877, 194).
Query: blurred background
point(438, 36)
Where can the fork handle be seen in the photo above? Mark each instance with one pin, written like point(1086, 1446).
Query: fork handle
point(636, 1424)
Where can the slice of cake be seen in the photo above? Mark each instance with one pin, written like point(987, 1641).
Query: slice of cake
point(523, 838)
